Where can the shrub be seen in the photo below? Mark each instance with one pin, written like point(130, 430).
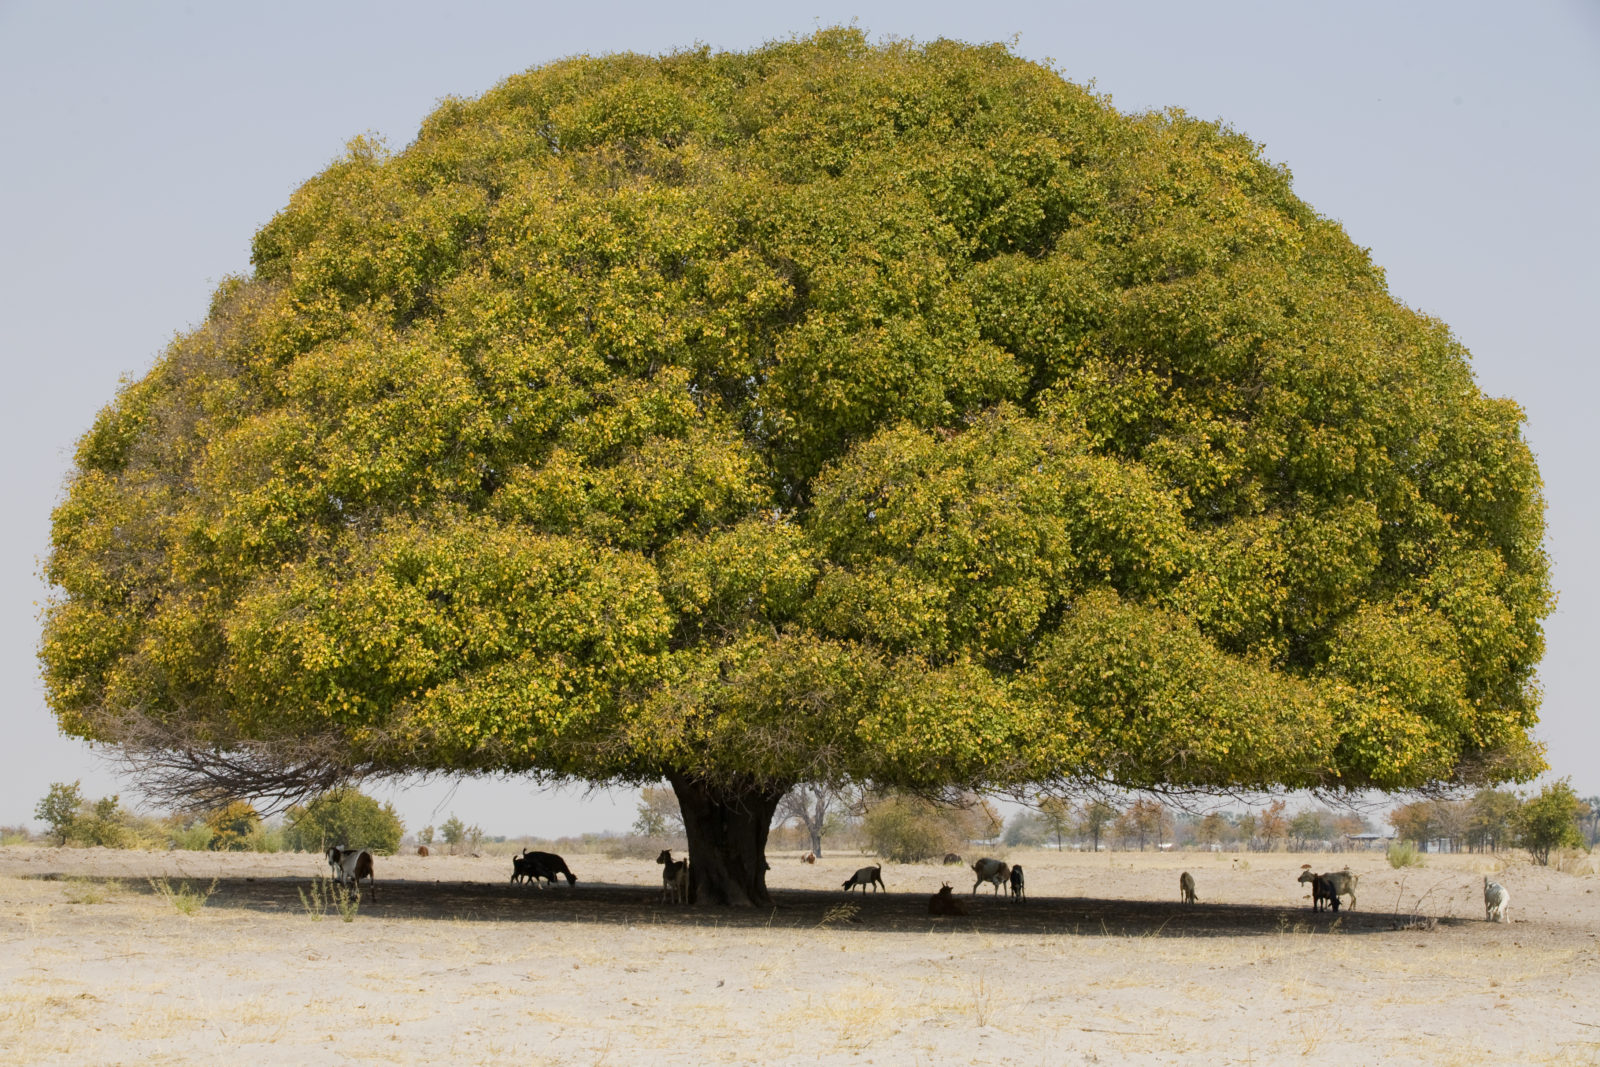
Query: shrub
point(102, 825)
point(1404, 854)
point(909, 829)
point(14, 835)
point(344, 817)
point(59, 809)
point(192, 837)
point(232, 825)
point(1550, 821)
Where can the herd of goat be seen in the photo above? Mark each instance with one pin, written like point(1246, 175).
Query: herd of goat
point(351, 865)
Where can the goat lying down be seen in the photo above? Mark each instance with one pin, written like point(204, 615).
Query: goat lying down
point(943, 903)
point(350, 865)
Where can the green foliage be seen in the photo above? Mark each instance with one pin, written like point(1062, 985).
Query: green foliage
point(232, 826)
point(343, 817)
point(59, 809)
point(191, 837)
point(909, 829)
point(1550, 821)
point(1404, 854)
point(894, 413)
point(453, 831)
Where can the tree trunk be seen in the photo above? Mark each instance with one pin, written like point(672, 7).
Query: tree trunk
point(816, 843)
point(727, 830)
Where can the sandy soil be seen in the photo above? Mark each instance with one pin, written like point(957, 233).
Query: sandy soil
point(1101, 964)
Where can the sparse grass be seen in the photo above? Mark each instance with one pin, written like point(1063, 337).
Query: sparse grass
point(325, 893)
point(840, 913)
point(91, 890)
point(1404, 854)
point(184, 898)
point(1575, 861)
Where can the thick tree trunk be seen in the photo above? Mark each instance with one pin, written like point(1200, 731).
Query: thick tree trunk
point(727, 830)
point(816, 843)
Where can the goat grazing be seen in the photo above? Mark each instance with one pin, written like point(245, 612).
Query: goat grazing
point(1496, 898)
point(1186, 888)
point(1017, 889)
point(350, 865)
point(674, 877)
point(1330, 887)
point(952, 858)
point(996, 872)
point(944, 903)
point(809, 857)
point(866, 876)
point(534, 866)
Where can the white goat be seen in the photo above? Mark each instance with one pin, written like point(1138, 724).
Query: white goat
point(1496, 898)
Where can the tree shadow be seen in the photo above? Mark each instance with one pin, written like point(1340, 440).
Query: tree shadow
point(630, 905)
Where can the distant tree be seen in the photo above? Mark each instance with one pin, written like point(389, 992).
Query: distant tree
point(1096, 816)
point(908, 829)
point(1414, 822)
point(1589, 821)
point(658, 813)
point(1273, 825)
point(425, 836)
point(1308, 825)
point(812, 804)
point(1349, 824)
point(1211, 828)
point(232, 826)
point(1057, 816)
point(453, 831)
point(1025, 828)
point(1145, 820)
point(1491, 817)
point(59, 809)
point(1246, 824)
point(1550, 821)
point(343, 817)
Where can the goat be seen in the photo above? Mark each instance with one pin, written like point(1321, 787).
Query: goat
point(1340, 883)
point(1017, 892)
point(952, 858)
point(350, 865)
point(1330, 887)
point(866, 876)
point(674, 878)
point(422, 850)
point(988, 870)
point(944, 903)
point(536, 865)
point(1186, 888)
point(1496, 898)
point(809, 857)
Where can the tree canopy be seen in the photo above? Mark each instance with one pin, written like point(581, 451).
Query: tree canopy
point(834, 411)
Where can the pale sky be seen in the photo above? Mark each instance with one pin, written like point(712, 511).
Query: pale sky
point(145, 144)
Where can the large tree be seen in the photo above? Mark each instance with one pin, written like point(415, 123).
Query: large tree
point(894, 413)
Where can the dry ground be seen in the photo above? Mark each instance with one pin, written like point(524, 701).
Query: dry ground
point(1100, 965)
